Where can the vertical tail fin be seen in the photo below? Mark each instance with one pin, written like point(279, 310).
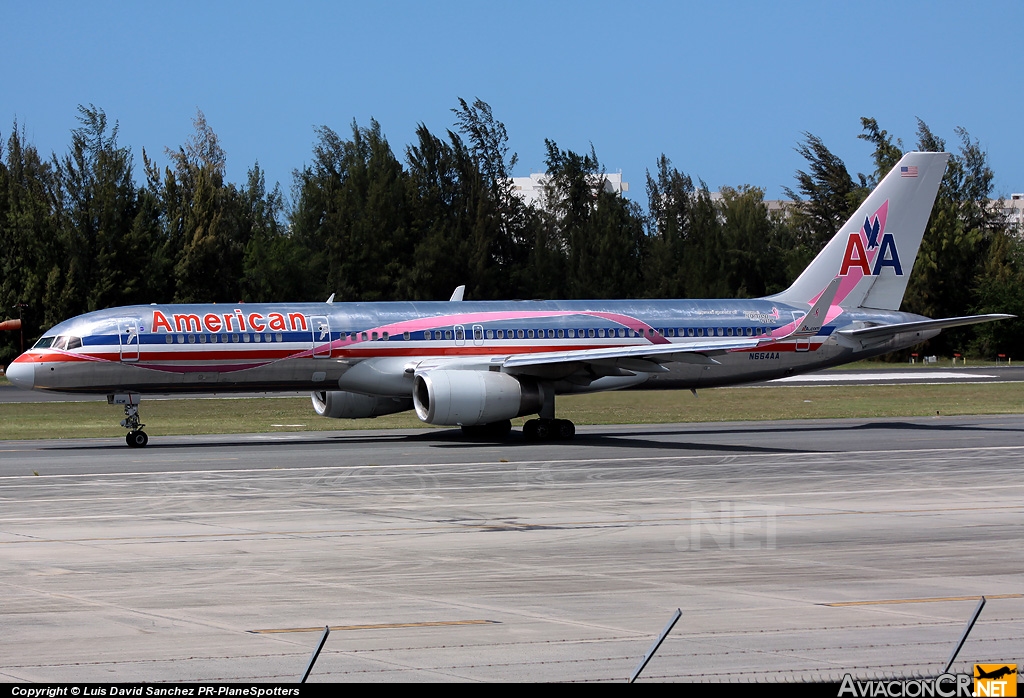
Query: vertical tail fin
point(874, 252)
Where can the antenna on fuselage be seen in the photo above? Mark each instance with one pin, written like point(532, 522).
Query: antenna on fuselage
point(459, 292)
point(330, 300)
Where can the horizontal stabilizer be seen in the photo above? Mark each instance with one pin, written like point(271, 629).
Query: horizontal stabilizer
point(880, 331)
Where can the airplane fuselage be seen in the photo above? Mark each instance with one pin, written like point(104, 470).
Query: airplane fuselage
point(374, 348)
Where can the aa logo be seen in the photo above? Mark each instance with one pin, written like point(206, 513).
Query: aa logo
point(871, 249)
point(995, 680)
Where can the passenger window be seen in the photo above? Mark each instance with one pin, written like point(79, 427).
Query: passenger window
point(245, 337)
point(191, 339)
point(447, 334)
point(561, 334)
point(181, 339)
point(257, 337)
point(520, 334)
point(501, 334)
point(405, 336)
point(213, 339)
point(202, 339)
point(490, 334)
point(529, 333)
point(168, 338)
point(280, 337)
point(385, 336)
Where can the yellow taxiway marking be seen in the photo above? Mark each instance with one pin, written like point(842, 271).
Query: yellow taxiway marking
point(377, 626)
point(882, 602)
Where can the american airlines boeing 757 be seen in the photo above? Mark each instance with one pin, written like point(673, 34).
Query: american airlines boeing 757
point(480, 364)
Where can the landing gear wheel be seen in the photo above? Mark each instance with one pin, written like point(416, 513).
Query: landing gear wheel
point(548, 430)
point(543, 429)
point(564, 429)
point(137, 439)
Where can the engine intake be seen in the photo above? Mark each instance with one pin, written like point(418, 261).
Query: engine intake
point(473, 397)
point(341, 404)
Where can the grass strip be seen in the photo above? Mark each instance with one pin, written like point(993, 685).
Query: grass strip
point(256, 415)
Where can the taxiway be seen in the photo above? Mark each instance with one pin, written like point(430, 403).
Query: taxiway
point(796, 550)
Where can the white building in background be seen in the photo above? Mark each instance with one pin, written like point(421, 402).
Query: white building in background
point(531, 188)
point(1013, 209)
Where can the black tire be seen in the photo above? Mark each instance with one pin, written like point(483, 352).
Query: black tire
point(530, 430)
point(137, 439)
point(544, 430)
point(564, 429)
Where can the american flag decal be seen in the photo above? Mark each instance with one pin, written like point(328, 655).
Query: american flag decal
point(910, 171)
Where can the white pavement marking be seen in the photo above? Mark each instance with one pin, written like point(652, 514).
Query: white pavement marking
point(837, 377)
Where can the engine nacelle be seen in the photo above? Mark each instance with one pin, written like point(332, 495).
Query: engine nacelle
point(466, 397)
point(341, 404)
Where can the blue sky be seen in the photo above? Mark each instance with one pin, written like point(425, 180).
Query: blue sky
point(724, 89)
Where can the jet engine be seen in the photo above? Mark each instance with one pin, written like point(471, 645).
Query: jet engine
point(473, 397)
point(341, 404)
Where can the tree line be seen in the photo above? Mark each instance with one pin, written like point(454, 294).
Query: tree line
point(84, 230)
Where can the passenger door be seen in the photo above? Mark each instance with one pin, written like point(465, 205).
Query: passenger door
point(321, 336)
point(128, 337)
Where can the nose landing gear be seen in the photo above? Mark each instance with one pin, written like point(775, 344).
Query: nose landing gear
point(135, 438)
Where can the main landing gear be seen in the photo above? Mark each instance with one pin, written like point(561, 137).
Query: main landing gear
point(135, 438)
point(547, 428)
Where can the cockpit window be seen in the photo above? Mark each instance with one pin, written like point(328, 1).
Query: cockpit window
point(65, 343)
point(43, 343)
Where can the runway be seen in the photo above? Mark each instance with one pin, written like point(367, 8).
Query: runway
point(795, 550)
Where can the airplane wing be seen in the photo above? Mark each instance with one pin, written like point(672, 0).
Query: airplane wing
point(647, 357)
point(884, 331)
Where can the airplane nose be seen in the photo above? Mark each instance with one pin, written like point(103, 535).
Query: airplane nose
point(22, 374)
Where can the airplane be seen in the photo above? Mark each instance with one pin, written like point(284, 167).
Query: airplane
point(480, 364)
